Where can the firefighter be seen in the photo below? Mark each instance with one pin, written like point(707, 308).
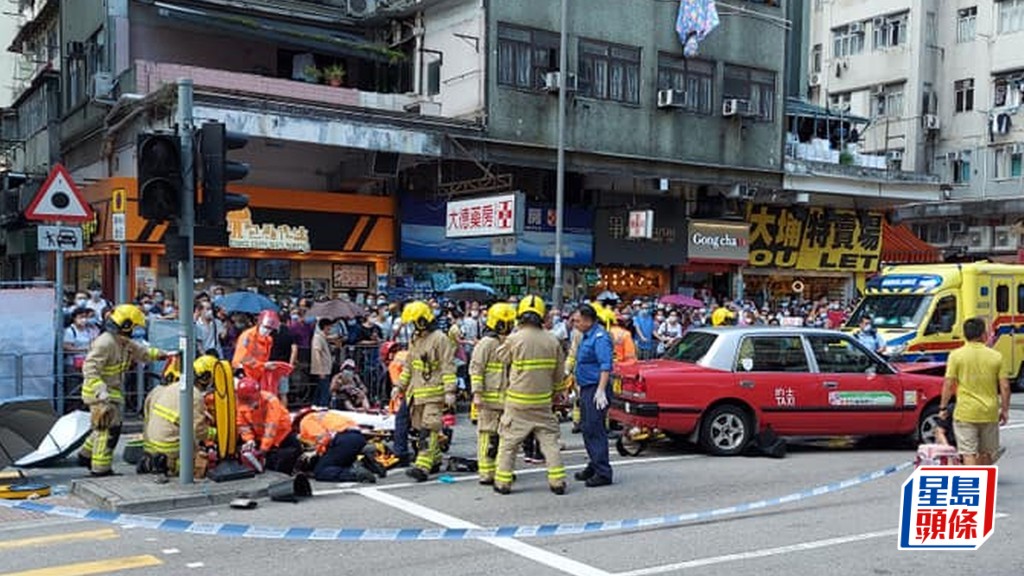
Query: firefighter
point(428, 382)
point(266, 429)
point(339, 441)
point(536, 376)
point(487, 378)
point(161, 428)
point(110, 356)
point(253, 348)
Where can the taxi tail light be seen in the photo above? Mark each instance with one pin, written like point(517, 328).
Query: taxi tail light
point(635, 385)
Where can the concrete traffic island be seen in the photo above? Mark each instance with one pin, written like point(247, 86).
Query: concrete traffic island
point(140, 494)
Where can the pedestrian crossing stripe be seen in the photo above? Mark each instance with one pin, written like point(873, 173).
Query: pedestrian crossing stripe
point(181, 526)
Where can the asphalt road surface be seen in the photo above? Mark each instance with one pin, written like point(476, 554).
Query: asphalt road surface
point(846, 533)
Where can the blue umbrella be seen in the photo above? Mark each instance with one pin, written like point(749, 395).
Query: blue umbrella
point(470, 291)
point(246, 302)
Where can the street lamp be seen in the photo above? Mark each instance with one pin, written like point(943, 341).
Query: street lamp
point(563, 63)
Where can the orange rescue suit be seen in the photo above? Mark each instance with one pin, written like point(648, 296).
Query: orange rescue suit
point(267, 423)
point(318, 428)
point(251, 352)
point(624, 350)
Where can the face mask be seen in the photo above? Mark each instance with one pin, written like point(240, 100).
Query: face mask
point(169, 310)
point(673, 320)
point(264, 331)
point(474, 314)
point(207, 314)
point(95, 294)
point(81, 302)
point(81, 321)
point(310, 319)
point(295, 317)
point(158, 298)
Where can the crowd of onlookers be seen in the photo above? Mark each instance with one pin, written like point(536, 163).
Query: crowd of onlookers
point(653, 324)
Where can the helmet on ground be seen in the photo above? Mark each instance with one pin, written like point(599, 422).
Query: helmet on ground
point(531, 303)
point(248, 390)
point(125, 319)
point(204, 367)
point(501, 317)
point(417, 313)
point(269, 319)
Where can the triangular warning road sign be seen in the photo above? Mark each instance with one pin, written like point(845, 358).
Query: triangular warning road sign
point(59, 200)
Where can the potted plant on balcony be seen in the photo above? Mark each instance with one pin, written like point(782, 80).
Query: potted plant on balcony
point(312, 74)
point(334, 75)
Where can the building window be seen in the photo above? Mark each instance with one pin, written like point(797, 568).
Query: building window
point(848, 40)
point(964, 90)
point(1011, 16)
point(525, 55)
point(1008, 161)
point(609, 71)
point(840, 101)
point(888, 102)
point(695, 78)
point(816, 58)
point(1008, 89)
point(434, 78)
point(757, 87)
point(966, 24)
point(960, 167)
point(929, 99)
point(890, 31)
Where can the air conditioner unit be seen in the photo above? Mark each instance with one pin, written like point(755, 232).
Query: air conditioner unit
point(856, 28)
point(878, 90)
point(361, 8)
point(953, 156)
point(979, 237)
point(103, 84)
point(1003, 237)
point(956, 228)
point(1015, 149)
point(814, 80)
point(424, 108)
point(735, 107)
point(894, 155)
point(931, 122)
point(552, 80)
point(740, 192)
point(671, 98)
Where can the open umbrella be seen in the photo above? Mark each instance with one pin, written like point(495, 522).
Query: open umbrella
point(66, 436)
point(337, 309)
point(608, 295)
point(245, 302)
point(682, 300)
point(470, 291)
point(24, 423)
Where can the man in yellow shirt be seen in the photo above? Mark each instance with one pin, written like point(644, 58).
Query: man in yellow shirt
point(978, 373)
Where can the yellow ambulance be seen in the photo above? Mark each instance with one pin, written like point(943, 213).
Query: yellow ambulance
point(919, 310)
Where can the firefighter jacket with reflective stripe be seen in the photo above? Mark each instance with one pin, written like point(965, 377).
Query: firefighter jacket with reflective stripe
point(108, 359)
point(536, 368)
point(574, 346)
point(317, 428)
point(623, 347)
point(267, 423)
point(487, 372)
point(429, 371)
point(251, 352)
point(161, 432)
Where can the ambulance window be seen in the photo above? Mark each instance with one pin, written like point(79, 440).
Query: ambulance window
point(1002, 299)
point(1020, 298)
point(944, 318)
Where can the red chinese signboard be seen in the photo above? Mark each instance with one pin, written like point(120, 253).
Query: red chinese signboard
point(488, 216)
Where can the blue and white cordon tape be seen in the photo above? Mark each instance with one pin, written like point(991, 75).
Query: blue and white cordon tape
point(417, 534)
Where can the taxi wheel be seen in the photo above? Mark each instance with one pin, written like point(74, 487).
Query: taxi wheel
point(627, 447)
point(726, 430)
point(927, 425)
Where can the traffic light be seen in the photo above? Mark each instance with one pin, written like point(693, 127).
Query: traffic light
point(214, 143)
point(158, 159)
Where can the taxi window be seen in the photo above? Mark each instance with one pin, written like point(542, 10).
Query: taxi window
point(772, 354)
point(838, 355)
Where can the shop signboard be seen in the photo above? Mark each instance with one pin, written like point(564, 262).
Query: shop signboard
point(814, 238)
point(145, 279)
point(614, 243)
point(351, 276)
point(424, 237)
point(708, 241)
point(641, 223)
point(244, 233)
point(500, 215)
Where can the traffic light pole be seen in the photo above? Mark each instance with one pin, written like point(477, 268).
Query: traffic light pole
point(186, 228)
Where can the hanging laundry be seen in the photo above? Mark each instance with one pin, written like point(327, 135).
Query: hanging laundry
point(696, 19)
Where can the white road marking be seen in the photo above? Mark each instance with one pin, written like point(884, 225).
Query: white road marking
point(524, 472)
point(170, 551)
point(763, 553)
point(194, 565)
point(517, 547)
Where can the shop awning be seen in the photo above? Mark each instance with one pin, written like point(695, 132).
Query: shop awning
point(901, 246)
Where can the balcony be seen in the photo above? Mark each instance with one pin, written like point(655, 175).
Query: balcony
point(151, 76)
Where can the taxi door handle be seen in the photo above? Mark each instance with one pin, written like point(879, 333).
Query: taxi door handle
point(831, 385)
point(749, 384)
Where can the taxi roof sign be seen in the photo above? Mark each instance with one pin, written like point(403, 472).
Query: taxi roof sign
point(59, 200)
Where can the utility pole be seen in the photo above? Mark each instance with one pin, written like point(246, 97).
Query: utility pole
point(186, 229)
point(563, 76)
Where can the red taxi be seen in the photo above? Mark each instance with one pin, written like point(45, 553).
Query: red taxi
point(724, 385)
